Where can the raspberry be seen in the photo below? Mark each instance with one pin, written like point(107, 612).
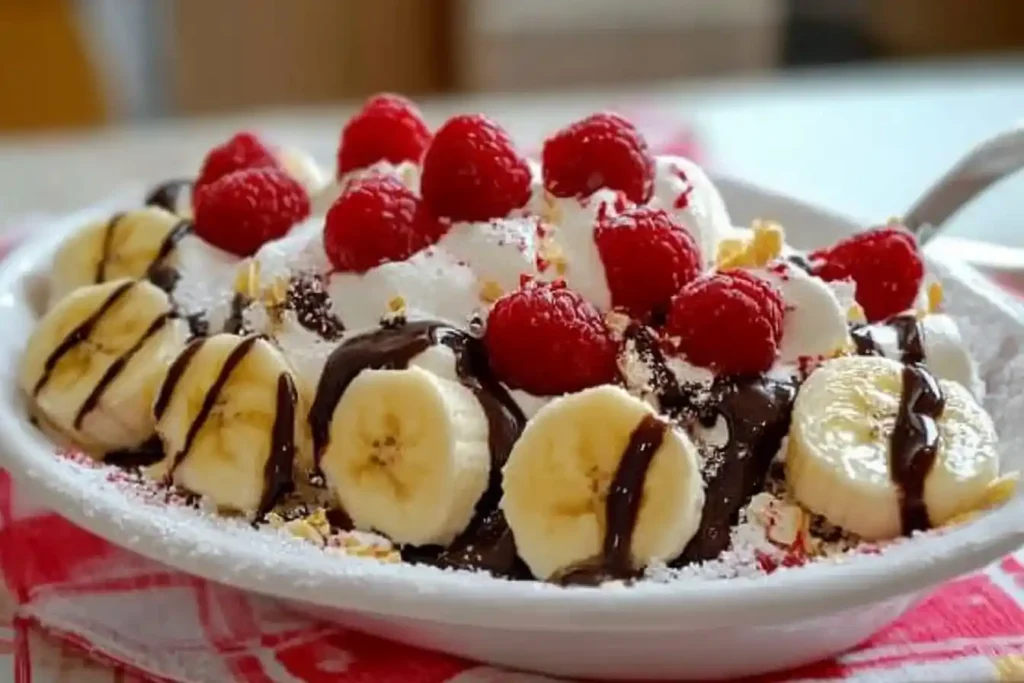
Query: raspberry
point(472, 171)
point(648, 256)
point(730, 321)
point(548, 340)
point(375, 221)
point(244, 150)
point(885, 265)
point(246, 209)
point(389, 128)
point(602, 150)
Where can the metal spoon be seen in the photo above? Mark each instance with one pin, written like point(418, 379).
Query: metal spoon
point(989, 162)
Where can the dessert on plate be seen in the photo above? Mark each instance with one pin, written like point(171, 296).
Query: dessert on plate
point(574, 369)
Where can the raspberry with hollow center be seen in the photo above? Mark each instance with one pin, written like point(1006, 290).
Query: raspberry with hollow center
point(244, 210)
point(885, 265)
point(388, 128)
point(602, 150)
point(729, 321)
point(243, 150)
point(473, 172)
point(377, 220)
point(648, 257)
point(548, 340)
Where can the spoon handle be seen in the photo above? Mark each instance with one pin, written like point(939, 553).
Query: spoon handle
point(989, 162)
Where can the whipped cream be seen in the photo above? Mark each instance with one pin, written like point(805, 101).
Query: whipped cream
point(814, 323)
point(682, 188)
point(206, 283)
point(300, 165)
point(407, 172)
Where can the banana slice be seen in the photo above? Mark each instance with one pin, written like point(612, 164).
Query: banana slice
point(597, 479)
point(127, 245)
point(93, 363)
point(844, 462)
point(232, 423)
point(408, 455)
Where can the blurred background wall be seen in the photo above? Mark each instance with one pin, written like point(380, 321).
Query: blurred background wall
point(69, 63)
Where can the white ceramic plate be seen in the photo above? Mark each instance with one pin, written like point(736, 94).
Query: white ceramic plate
point(651, 631)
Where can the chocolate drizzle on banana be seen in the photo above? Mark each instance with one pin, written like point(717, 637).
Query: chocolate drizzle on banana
point(622, 509)
point(108, 242)
point(158, 272)
point(277, 471)
point(168, 195)
point(80, 334)
point(233, 360)
point(909, 338)
point(394, 347)
point(914, 445)
point(117, 367)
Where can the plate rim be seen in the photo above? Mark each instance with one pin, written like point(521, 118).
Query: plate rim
point(445, 598)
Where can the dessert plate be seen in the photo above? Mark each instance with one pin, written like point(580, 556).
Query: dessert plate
point(686, 629)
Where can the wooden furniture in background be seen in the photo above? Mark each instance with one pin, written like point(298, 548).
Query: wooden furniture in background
point(919, 28)
point(47, 79)
point(233, 54)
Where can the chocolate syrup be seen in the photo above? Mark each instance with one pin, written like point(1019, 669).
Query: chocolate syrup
point(277, 472)
point(116, 368)
point(234, 358)
point(673, 399)
point(235, 323)
point(395, 347)
point(801, 261)
point(166, 195)
point(488, 545)
point(148, 453)
point(914, 445)
point(108, 241)
point(174, 374)
point(757, 412)
point(622, 507)
point(308, 297)
point(909, 338)
point(79, 334)
point(159, 273)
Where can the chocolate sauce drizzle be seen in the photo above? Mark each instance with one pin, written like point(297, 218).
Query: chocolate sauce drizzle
point(622, 507)
point(395, 347)
point(235, 323)
point(174, 374)
point(79, 334)
point(757, 412)
point(233, 360)
point(116, 368)
point(147, 453)
point(308, 297)
point(277, 472)
point(108, 241)
point(801, 261)
point(486, 545)
point(167, 194)
point(160, 274)
point(909, 338)
point(914, 444)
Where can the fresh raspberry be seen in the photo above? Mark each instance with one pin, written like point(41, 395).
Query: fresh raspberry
point(388, 127)
point(602, 150)
point(730, 321)
point(548, 340)
point(885, 265)
point(648, 257)
point(472, 171)
point(375, 221)
point(245, 209)
point(244, 150)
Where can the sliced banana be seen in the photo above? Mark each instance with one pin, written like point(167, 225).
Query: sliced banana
point(94, 361)
point(127, 245)
point(232, 423)
point(408, 455)
point(574, 462)
point(838, 462)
